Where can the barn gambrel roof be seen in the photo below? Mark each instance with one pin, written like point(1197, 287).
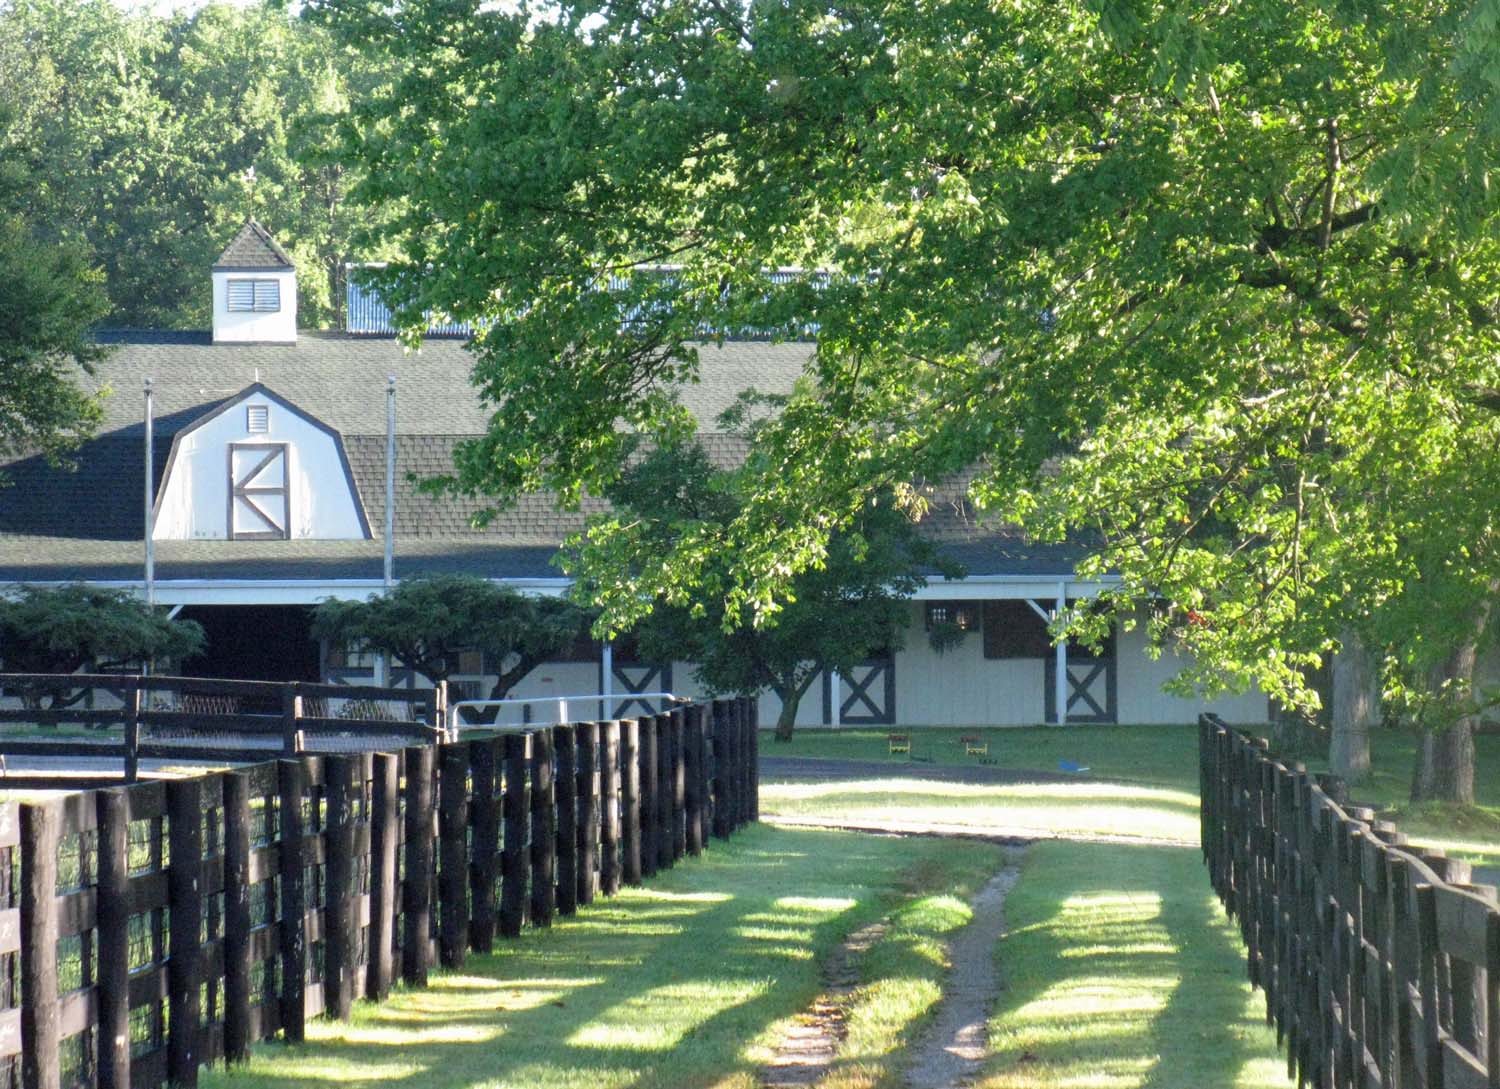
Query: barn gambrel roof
point(87, 523)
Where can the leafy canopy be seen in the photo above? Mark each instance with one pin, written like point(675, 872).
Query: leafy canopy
point(427, 620)
point(674, 501)
point(1229, 271)
point(66, 628)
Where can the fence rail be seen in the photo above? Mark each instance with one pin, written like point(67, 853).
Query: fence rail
point(196, 718)
point(147, 929)
point(1380, 962)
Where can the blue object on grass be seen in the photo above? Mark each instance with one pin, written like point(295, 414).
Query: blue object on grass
point(1068, 765)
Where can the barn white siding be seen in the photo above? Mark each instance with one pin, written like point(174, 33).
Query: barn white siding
point(321, 501)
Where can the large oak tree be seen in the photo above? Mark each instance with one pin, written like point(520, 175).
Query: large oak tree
point(1229, 270)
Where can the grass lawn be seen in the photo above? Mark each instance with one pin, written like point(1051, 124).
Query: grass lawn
point(1120, 968)
point(681, 984)
point(1038, 809)
point(1156, 756)
point(1148, 754)
point(1122, 972)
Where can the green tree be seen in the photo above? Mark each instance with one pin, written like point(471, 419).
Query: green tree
point(141, 130)
point(50, 296)
point(64, 629)
point(849, 608)
point(427, 620)
point(1215, 285)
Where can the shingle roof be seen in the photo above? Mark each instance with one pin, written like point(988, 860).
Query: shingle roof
point(57, 524)
point(253, 247)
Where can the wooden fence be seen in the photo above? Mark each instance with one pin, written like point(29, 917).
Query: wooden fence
point(147, 929)
point(133, 718)
point(1380, 962)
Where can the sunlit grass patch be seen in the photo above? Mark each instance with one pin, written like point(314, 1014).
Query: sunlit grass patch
point(1151, 754)
point(677, 985)
point(1062, 808)
point(1121, 971)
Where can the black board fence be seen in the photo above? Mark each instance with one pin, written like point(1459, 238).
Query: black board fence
point(132, 717)
point(150, 928)
point(1380, 962)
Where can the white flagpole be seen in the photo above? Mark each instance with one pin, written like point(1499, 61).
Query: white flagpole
point(383, 664)
point(149, 497)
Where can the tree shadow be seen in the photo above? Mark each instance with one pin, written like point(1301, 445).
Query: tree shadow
point(660, 986)
point(1120, 966)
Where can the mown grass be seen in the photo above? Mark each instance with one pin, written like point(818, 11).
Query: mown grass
point(1023, 809)
point(688, 982)
point(1149, 754)
point(1121, 971)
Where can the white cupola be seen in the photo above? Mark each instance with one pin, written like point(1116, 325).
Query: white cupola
point(255, 290)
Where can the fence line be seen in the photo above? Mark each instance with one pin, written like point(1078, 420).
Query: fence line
point(147, 929)
point(142, 717)
point(1380, 962)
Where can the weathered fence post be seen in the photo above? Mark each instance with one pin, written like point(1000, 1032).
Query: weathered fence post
point(566, 789)
point(113, 928)
point(236, 916)
point(664, 761)
point(752, 758)
point(184, 963)
point(588, 811)
point(485, 817)
point(41, 828)
point(292, 785)
point(132, 734)
point(692, 762)
point(516, 807)
point(679, 783)
point(385, 839)
point(543, 830)
point(650, 807)
point(453, 872)
point(609, 800)
point(340, 912)
point(719, 730)
point(291, 714)
point(630, 801)
point(416, 884)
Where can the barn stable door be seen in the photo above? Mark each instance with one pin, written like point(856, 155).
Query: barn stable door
point(640, 677)
point(260, 506)
point(1091, 690)
point(866, 695)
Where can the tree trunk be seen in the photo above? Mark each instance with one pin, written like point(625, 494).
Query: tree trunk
point(1356, 709)
point(1445, 755)
point(1445, 764)
point(787, 719)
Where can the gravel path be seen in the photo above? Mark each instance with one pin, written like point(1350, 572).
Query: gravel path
point(950, 1052)
point(812, 1044)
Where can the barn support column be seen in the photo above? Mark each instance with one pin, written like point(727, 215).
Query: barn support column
point(1060, 681)
point(606, 678)
point(1061, 694)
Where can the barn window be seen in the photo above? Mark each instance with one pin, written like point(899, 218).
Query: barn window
point(257, 296)
point(963, 615)
point(1012, 629)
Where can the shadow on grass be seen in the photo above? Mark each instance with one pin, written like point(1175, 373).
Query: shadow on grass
point(1122, 971)
point(694, 967)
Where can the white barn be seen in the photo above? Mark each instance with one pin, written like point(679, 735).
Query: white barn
point(268, 486)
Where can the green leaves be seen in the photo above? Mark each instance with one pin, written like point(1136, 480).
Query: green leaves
point(1209, 287)
point(64, 628)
